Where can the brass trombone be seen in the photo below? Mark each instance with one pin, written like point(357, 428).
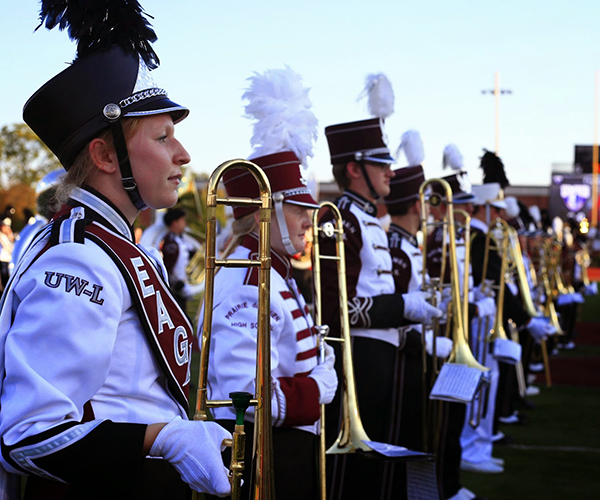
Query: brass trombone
point(498, 239)
point(352, 433)
point(582, 257)
point(461, 364)
point(461, 353)
point(263, 486)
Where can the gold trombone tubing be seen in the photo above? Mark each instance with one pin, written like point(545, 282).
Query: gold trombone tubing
point(461, 353)
point(502, 248)
point(352, 433)
point(458, 309)
point(263, 486)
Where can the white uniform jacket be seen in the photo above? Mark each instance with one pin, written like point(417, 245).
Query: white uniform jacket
point(71, 342)
point(232, 366)
point(375, 309)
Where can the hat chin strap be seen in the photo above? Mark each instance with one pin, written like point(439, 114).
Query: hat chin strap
point(363, 169)
point(127, 179)
point(283, 229)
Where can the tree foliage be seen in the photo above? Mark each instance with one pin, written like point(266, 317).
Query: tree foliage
point(24, 158)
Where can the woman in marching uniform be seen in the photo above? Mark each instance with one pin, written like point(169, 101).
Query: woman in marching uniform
point(94, 350)
point(299, 383)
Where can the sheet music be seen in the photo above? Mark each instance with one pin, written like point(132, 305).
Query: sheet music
point(457, 383)
point(507, 351)
point(390, 450)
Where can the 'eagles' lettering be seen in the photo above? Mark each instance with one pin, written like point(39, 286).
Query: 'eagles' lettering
point(163, 314)
point(181, 346)
point(142, 275)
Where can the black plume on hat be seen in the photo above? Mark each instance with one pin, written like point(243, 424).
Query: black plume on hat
point(100, 24)
point(108, 80)
point(493, 169)
point(524, 214)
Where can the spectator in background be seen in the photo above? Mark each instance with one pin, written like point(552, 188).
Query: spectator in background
point(177, 251)
point(6, 247)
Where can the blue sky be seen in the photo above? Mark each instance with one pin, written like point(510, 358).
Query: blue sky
point(439, 56)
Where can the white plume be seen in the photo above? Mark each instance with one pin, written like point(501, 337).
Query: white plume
point(452, 158)
point(535, 213)
point(380, 94)
point(412, 145)
point(283, 120)
point(512, 207)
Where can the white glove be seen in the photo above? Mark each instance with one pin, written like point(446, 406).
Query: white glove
point(326, 377)
point(444, 300)
point(418, 310)
point(194, 449)
point(540, 328)
point(591, 289)
point(577, 298)
point(569, 298)
point(486, 307)
point(443, 345)
point(482, 291)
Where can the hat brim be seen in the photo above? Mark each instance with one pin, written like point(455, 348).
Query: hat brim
point(385, 159)
point(500, 205)
point(466, 198)
point(303, 200)
point(160, 106)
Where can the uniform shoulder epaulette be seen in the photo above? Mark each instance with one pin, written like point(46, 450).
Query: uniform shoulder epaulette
point(69, 228)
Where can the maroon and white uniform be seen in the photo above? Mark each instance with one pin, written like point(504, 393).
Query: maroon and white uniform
point(407, 260)
point(87, 356)
point(375, 309)
point(232, 365)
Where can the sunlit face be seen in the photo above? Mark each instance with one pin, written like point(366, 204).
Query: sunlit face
point(156, 159)
point(380, 175)
point(298, 220)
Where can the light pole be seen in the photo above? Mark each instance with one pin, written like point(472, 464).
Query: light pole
point(496, 92)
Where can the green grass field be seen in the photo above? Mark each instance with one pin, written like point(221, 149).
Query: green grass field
point(556, 455)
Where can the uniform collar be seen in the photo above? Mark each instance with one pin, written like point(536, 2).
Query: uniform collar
point(479, 224)
point(281, 263)
point(351, 197)
point(412, 239)
point(100, 208)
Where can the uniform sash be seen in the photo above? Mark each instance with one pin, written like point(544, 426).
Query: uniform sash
point(166, 326)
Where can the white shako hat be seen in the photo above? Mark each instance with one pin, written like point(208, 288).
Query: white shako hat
point(488, 194)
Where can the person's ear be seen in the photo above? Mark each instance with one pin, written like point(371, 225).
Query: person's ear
point(354, 171)
point(103, 155)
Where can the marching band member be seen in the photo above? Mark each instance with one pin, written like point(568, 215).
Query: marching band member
point(362, 169)
point(95, 351)
point(404, 207)
point(488, 201)
point(454, 415)
point(300, 384)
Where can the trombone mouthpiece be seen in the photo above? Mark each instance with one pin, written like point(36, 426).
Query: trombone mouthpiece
point(241, 402)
